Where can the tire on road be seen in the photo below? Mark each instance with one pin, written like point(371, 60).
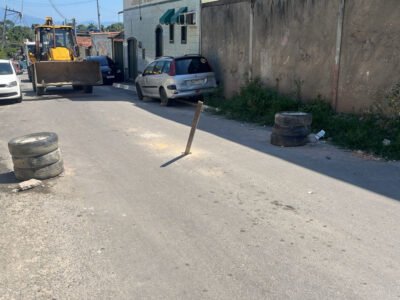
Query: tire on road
point(41, 173)
point(33, 145)
point(37, 162)
point(288, 141)
point(293, 119)
point(291, 131)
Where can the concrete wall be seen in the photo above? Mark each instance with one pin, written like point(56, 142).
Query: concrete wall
point(141, 24)
point(102, 44)
point(294, 45)
point(225, 42)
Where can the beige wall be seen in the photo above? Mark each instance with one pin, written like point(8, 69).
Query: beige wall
point(294, 44)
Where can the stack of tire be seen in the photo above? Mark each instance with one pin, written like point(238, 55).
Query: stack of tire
point(291, 129)
point(36, 156)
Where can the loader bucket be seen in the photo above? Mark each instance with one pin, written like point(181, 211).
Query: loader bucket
point(57, 73)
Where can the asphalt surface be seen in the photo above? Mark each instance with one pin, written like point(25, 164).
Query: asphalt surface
point(237, 219)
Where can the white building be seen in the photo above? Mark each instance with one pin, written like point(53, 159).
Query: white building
point(155, 28)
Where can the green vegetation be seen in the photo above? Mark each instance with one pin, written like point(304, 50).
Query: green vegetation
point(92, 27)
point(15, 36)
point(367, 131)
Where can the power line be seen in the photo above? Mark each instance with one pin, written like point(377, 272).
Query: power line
point(55, 8)
point(6, 11)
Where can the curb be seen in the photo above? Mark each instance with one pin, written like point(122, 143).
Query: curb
point(128, 87)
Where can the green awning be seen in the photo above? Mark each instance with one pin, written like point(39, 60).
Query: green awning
point(166, 17)
point(177, 18)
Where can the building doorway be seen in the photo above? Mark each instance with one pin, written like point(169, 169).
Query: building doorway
point(132, 59)
point(159, 41)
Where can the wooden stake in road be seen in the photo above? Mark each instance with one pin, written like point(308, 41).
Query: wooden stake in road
point(194, 127)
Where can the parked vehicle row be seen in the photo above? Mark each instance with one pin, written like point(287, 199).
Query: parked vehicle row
point(169, 78)
point(10, 85)
point(109, 70)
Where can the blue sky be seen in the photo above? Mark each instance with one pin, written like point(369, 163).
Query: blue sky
point(83, 10)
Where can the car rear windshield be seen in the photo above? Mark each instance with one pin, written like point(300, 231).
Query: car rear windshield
point(192, 65)
point(101, 59)
point(5, 69)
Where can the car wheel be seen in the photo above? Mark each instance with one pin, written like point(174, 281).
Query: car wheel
point(33, 145)
point(88, 89)
point(139, 91)
point(19, 100)
point(164, 98)
point(39, 91)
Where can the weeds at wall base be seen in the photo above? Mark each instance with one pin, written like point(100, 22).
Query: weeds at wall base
point(258, 104)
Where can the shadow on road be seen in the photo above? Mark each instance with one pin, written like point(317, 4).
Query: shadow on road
point(376, 176)
point(8, 178)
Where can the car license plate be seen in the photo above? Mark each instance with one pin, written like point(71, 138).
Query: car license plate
point(197, 81)
point(110, 77)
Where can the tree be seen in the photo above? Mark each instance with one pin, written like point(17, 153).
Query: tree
point(115, 27)
point(92, 27)
point(81, 27)
point(15, 37)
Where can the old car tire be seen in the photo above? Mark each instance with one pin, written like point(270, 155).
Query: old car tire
point(288, 141)
point(164, 98)
point(291, 131)
point(38, 161)
point(139, 91)
point(293, 119)
point(33, 145)
point(39, 91)
point(88, 89)
point(41, 173)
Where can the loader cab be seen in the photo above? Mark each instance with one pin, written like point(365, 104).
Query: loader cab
point(55, 43)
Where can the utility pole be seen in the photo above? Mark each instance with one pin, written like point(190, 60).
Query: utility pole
point(98, 15)
point(3, 40)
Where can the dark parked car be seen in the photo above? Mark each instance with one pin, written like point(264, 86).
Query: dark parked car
point(108, 67)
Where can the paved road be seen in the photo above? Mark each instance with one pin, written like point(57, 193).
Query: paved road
point(237, 219)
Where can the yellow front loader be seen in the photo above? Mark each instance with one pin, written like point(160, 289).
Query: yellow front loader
point(56, 62)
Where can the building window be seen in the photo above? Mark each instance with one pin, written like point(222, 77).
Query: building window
point(171, 33)
point(143, 53)
point(183, 34)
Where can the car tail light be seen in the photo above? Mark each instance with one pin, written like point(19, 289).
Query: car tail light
point(172, 69)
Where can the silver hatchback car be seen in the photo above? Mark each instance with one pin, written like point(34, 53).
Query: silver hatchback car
point(169, 78)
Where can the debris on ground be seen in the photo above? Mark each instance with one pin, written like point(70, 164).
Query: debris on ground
point(313, 138)
point(27, 185)
point(386, 142)
point(365, 155)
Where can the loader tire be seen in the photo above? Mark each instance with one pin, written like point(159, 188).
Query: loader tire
point(33, 145)
point(41, 173)
point(288, 141)
point(38, 161)
point(88, 89)
point(293, 119)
